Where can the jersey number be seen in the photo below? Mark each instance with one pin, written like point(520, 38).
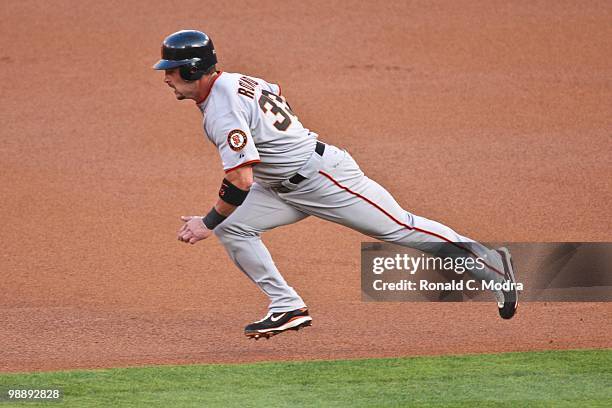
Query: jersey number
point(269, 102)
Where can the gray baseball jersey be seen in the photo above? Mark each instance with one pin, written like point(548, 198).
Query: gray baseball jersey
point(250, 122)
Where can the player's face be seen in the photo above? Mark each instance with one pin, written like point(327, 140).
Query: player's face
point(182, 88)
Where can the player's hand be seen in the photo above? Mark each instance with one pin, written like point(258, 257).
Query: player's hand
point(193, 230)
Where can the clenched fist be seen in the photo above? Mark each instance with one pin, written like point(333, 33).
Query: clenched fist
point(193, 230)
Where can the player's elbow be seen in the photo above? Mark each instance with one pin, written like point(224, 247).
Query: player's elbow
point(241, 177)
point(246, 184)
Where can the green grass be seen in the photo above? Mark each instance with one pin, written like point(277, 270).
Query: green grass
point(542, 379)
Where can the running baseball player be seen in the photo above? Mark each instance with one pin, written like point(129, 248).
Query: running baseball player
point(277, 173)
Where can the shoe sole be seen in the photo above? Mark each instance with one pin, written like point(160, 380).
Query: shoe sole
point(294, 324)
point(509, 269)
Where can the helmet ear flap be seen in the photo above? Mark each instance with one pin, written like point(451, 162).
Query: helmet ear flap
point(191, 71)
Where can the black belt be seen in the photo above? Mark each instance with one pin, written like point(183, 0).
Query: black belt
point(298, 178)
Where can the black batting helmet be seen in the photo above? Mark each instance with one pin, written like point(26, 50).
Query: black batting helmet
point(189, 50)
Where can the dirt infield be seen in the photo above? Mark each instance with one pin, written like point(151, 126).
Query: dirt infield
point(491, 117)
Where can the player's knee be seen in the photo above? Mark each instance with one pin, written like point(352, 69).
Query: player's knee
point(228, 231)
point(223, 232)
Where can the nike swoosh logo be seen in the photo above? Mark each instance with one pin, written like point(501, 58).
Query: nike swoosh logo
point(277, 318)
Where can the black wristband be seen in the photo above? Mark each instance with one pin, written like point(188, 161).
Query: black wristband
point(213, 218)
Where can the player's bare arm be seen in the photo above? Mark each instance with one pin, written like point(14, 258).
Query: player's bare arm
point(234, 188)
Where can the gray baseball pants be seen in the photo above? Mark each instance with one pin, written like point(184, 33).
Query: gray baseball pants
point(336, 190)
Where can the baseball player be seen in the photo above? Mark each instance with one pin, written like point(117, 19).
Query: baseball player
point(277, 172)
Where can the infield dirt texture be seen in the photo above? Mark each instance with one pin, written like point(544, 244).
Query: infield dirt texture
point(493, 117)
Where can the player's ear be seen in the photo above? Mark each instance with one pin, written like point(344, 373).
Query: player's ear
point(211, 70)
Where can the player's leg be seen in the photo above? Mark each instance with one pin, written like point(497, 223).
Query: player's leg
point(240, 235)
point(343, 194)
point(368, 207)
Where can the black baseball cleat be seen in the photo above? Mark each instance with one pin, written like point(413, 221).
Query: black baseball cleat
point(507, 301)
point(275, 323)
